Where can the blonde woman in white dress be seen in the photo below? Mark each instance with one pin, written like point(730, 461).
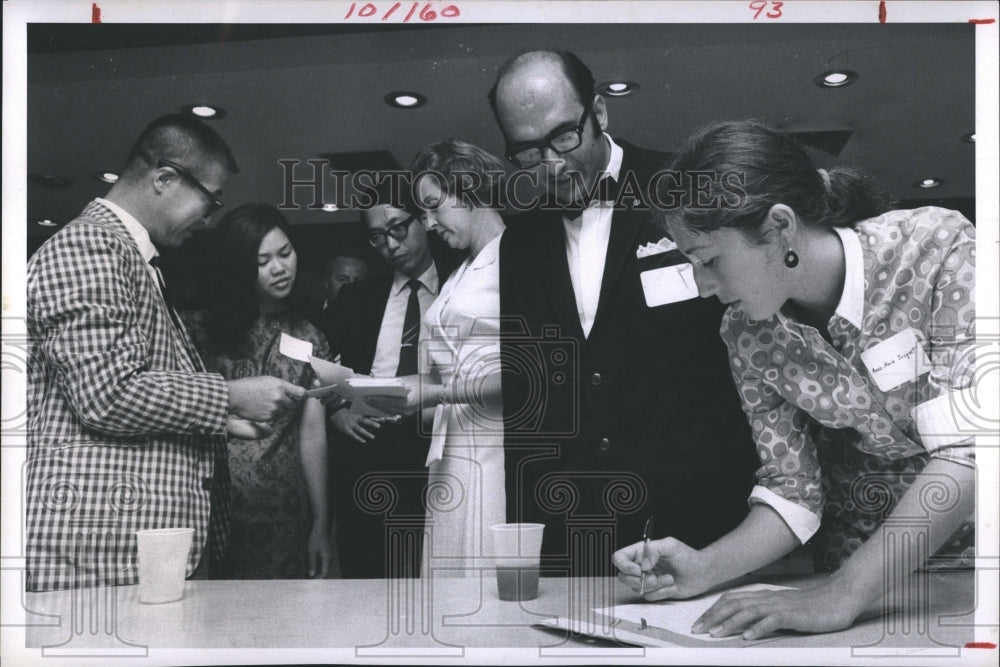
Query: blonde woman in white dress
point(458, 188)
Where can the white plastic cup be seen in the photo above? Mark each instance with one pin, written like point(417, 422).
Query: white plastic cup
point(163, 555)
point(517, 549)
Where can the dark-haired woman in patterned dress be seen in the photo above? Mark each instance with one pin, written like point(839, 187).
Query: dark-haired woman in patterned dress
point(851, 332)
point(279, 516)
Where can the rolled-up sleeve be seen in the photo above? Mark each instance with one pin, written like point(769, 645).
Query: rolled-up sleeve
point(788, 479)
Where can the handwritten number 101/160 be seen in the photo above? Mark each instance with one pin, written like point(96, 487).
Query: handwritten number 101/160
point(760, 5)
point(425, 14)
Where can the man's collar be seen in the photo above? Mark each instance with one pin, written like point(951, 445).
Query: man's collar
point(852, 301)
point(428, 279)
point(139, 233)
point(607, 192)
point(614, 167)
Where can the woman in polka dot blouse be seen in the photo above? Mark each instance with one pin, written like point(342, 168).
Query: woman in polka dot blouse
point(851, 332)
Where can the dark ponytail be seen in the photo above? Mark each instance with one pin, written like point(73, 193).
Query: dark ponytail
point(732, 173)
point(853, 196)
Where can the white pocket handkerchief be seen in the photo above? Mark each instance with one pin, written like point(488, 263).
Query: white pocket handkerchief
point(650, 249)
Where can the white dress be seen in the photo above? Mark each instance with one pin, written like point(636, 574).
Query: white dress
point(466, 478)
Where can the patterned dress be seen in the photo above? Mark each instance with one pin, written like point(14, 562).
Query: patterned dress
point(271, 517)
point(843, 427)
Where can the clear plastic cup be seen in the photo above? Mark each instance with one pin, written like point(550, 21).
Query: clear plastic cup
point(517, 549)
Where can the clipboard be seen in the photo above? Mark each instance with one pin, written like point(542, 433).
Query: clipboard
point(667, 623)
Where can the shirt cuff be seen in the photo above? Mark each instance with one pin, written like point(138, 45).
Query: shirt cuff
point(946, 420)
point(801, 521)
point(216, 402)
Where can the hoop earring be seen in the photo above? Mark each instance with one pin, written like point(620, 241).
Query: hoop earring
point(791, 259)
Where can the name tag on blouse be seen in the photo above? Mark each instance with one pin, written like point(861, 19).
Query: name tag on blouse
point(896, 360)
point(668, 284)
point(293, 347)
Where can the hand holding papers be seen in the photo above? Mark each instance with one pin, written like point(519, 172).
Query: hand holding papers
point(355, 388)
point(378, 397)
point(398, 396)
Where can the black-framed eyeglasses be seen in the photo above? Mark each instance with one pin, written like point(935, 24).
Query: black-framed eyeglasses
point(397, 231)
point(214, 203)
point(561, 140)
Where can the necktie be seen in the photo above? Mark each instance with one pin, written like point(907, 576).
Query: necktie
point(155, 263)
point(411, 332)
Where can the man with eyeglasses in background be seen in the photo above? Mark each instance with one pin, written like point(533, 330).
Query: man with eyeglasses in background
point(126, 429)
point(379, 331)
point(644, 419)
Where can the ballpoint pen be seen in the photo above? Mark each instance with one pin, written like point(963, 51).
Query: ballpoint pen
point(646, 532)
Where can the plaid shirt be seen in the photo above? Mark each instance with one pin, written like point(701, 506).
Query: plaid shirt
point(125, 427)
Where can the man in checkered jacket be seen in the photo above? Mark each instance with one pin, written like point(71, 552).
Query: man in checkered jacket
point(126, 429)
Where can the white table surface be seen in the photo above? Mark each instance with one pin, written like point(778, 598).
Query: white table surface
point(376, 617)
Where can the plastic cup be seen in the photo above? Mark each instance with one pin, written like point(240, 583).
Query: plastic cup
point(163, 555)
point(517, 549)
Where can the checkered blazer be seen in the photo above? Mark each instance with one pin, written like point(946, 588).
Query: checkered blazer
point(126, 429)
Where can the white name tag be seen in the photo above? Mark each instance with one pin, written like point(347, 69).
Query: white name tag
point(292, 347)
point(897, 360)
point(668, 284)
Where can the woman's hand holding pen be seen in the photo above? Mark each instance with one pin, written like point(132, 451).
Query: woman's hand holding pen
point(672, 569)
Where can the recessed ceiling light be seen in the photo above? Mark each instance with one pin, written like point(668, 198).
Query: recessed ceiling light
point(330, 208)
point(969, 138)
point(205, 111)
point(618, 88)
point(46, 223)
point(107, 176)
point(927, 183)
point(835, 78)
point(49, 180)
point(405, 99)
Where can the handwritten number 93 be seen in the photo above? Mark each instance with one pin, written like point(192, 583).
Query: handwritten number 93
point(426, 14)
point(760, 5)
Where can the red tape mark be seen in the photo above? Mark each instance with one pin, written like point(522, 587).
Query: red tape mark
point(980, 644)
point(881, 11)
point(982, 21)
point(95, 13)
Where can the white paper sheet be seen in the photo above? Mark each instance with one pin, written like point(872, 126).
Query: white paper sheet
point(679, 615)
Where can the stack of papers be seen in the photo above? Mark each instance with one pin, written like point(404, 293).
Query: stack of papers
point(354, 388)
point(357, 389)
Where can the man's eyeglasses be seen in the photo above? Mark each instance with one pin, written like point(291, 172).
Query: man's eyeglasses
point(397, 231)
point(214, 203)
point(561, 140)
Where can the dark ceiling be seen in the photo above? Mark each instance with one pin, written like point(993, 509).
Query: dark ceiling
point(299, 92)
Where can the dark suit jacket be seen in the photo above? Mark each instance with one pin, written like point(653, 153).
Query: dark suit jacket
point(393, 460)
point(327, 321)
point(640, 418)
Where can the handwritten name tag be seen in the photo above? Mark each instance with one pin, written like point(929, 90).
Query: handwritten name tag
point(896, 360)
point(668, 284)
point(292, 347)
